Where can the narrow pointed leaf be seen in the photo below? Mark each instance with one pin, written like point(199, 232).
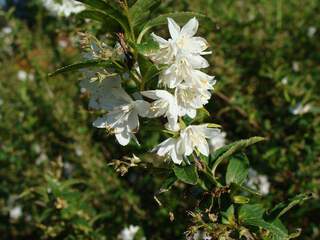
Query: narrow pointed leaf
point(284, 207)
point(80, 65)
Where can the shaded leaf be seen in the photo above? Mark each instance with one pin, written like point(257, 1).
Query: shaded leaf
point(108, 10)
point(187, 174)
point(230, 149)
point(110, 24)
point(252, 215)
point(141, 10)
point(238, 169)
point(147, 47)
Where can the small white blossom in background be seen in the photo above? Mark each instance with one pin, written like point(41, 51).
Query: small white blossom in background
point(284, 81)
point(218, 141)
point(301, 109)
point(15, 213)
point(6, 30)
point(312, 31)
point(68, 168)
point(66, 8)
point(78, 151)
point(43, 157)
point(296, 66)
point(128, 233)
point(22, 75)
point(63, 43)
point(259, 182)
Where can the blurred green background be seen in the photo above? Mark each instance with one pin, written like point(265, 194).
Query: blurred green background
point(55, 181)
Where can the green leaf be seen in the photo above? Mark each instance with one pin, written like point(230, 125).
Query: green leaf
point(187, 174)
point(108, 10)
point(141, 10)
point(238, 169)
point(230, 149)
point(147, 47)
point(167, 183)
point(246, 189)
point(148, 70)
point(284, 207)
point(180, 17)
point(228, 216)
point(239, 199)
point(77, 66)
point(252, 215)
point(112, 25)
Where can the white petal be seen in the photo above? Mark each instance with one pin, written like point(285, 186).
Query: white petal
point(142, 107)
point(191, 112)
point(203, 146)
point(176, 158)
point(172, 124)
point(100, 122)
point(162, 42)
point(165, 147)
point(174, 29)
point(211, 132)
point(133, 121)
point(191, 28)
point(152, 94)
point(197, 45)
point(123, 137)
point(197, 61)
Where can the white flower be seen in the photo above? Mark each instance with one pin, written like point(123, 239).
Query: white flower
point(182, 69)
point(189, 99)
point(218, 141)
point(122, 117)
point(66, 8)
point(168, 148)
point(105, 93)
point(128, 233)
point(300, 109)
point(165, 105)
point(258, 181)
point(15, 213)
point(182, 41)
point(191, 138)
point(123, 120)
point(195, 137)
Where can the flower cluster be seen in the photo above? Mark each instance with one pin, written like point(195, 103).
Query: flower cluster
point(183, 89)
